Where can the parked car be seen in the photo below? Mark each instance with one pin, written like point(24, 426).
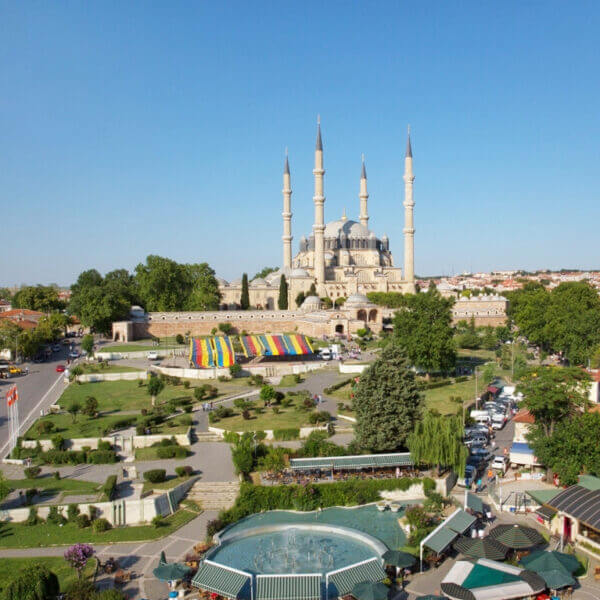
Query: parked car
point(484, 454)
point(56, 348)
point(477, 440)
point(60, 368)
point(500, 463)
point(152, 355)
point(470, 475)
point(73, 354)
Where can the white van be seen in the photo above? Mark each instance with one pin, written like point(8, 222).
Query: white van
point(481, 416)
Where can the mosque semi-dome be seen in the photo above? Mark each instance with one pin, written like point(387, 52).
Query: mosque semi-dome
point(356, 299)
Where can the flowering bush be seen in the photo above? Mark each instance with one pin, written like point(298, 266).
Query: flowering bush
point(78, 555)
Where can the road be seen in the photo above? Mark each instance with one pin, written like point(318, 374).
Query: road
point(38, 389)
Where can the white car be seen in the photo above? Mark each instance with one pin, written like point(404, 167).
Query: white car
point(74, 354)
point(500, 463)
point(152, 355)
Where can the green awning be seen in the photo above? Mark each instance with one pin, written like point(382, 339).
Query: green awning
point(542, 496)
point(546, 512)
point(557, 578)
point(460, 521)
point(288, 587)
point(221, 580)
point(440, 540)
point(343, 581)
point(474, 503)
point(360, 461)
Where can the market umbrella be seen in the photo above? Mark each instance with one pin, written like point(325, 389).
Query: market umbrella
point(481, 548)
point(516, 537)
point(548, 561)
point(368, 590)
point(557, 578)
point(432, 597)
point(171, 571)
point(402, 560)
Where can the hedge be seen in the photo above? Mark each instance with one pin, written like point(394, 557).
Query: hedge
point(254, 499)
point(155, 475)
point(338, 385)
point(78, 457)
point(171, 452)
point(285, 435)
point(109, 489)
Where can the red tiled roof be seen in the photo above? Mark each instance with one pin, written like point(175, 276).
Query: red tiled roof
point(21, 312)
point(24, 323)
point(524, 416)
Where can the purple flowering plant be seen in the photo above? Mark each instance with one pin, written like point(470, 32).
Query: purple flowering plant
point(78, 555)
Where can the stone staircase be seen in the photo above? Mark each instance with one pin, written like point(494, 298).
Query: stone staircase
point(207, 436)
point(214, 495)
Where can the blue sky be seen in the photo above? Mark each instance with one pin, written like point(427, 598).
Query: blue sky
point(130, 128)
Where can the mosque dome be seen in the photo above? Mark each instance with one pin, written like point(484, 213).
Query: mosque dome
point(299, 273)
point(221, 281)
point(346, 227)
point(311, 303)
point(356, 299)
point(258, 282)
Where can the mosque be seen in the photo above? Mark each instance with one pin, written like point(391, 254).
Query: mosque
point(342, 258)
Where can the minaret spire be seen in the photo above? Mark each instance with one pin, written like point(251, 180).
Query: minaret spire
point(409, 228)
point(319, 225)
point(363, 195)
point(287, 214)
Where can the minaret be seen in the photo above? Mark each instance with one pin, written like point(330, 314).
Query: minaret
point(287, 214)
point(409, 229)
point(319, 225)
point(363, 195)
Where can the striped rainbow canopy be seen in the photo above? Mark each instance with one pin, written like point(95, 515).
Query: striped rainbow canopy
point(212, 352)
point(275, 345)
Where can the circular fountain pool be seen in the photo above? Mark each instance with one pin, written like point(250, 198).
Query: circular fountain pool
point(297, 549)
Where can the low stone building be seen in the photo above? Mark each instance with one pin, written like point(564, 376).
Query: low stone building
point(486, 310)
point(310, 319)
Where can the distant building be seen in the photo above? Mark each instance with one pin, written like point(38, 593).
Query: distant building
point(23, 317)
point(484, 309)
point(5, 306)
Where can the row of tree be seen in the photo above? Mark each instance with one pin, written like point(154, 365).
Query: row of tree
point(27, 342)
point(565, 319)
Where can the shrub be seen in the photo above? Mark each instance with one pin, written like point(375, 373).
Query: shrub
point(231, 437)
point(214, 526)
point(82, 521)
point(44, 427)
point(32, 472)
point(166, 452)
point(30, 494)
point(260, 435)
point(256, 379)
point(81, 589)
point(123, 423)
point(72, 512)
point(179, 339)
point(100, 525)
point(155, 475)
point(90, 408)
point(223, 412)
point(109, 489)
point(213, 418)
point(276, 410)
point(55, 517)
point(56, 475)
point(93, 510)
point(110, 595)
point(102, 457)
point(246, 414)
point(286, 401)
point(285, 435)
point(32, 518)
point(58, 441)
point(235, 370)
point(186, 384)
point(103, 445)
point(158, 521)
point(183, 471)
point(33, 582)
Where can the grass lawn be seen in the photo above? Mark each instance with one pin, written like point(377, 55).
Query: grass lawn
point(49, 484)
point(18, 535)
point(439, 398)
point(110, 368)
point(286, 419)
point(150, 454)
point(289, 381)
point(10, 567)
point(169, 484)
point(84, 426)
point(342, 393)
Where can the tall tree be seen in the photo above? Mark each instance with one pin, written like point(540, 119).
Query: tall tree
point(527, 308)
point(552, 394)
point(163, 284)
point(33, 582)
point(438, 441)
point(572, 448)
point(38, 297)
point(387, 402)
point(266, 271)
point(245, 297)
point(204, 288)
point(423, 325)
point(282, 302)
point(312, 291)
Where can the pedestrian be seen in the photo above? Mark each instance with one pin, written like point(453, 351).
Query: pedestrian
point(211, 405)
point(478, 489)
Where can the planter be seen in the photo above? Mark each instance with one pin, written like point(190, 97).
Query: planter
point(394, 507)
point(381, 506)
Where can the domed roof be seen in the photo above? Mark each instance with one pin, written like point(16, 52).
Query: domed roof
point(258, 281)
point(221, 281)
point(355, 299)
point(311, 303)
point(299, 273)
point(236, 282)
point(346, 227)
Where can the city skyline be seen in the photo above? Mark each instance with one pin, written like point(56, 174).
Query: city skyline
point(132, 132)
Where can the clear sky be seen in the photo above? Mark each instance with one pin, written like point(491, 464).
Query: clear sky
point(130, 128)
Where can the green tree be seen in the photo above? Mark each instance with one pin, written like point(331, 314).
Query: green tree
point(527, 308)
point(154, 387)
point(423, 325)
point(43, 298)
point(5, 294)
point(282, 302)
point(312, 291)
point(267, 393)
point(204, 291)
point(266, 271)
point(34, 582)
point(10, 334)
point(163, 284)
point(300, 298)
point(90, 407)
point(87, 344)
point(242, 455)
point(74, 409)
point(571, 449)
point(572, 321)
point(595, 359)
point(387, 402)
point(552, 394)
point(489, 340)
point(438, 441)
point(245, 297)
point(388, 299)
